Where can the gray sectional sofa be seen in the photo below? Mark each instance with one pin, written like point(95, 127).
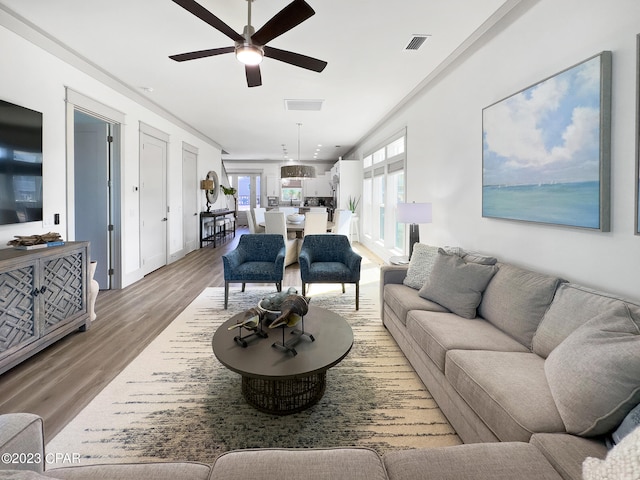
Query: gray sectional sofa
point(532, 371)
point(23, 458)
point(514, 355)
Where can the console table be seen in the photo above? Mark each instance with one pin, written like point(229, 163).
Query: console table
point(43, 297)
point(212, 216)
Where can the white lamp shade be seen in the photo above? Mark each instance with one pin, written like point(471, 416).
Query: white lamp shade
point(414, 213)
point(249, 54)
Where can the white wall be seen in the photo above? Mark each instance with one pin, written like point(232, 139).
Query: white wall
point(444, 135)
point(36, 79)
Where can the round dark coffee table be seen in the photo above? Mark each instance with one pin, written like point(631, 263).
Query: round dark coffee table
point(276, 381)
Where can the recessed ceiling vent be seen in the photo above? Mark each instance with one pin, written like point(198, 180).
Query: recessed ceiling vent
point(306, 105)
point(416, 42)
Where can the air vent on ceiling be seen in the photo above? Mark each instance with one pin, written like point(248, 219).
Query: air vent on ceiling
point(307, 105)
point(416, 42)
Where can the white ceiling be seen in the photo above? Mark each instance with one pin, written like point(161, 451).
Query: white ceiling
point(368, 73)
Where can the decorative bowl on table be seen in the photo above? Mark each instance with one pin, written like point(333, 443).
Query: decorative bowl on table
point(295, 218)
point(269, 305)
point(269, 315)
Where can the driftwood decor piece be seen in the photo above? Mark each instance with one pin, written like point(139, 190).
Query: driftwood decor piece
point(35, 239)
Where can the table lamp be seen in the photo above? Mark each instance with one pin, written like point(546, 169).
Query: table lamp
point(414, 214)
point(207, 185)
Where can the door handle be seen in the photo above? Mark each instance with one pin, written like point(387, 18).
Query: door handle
point(164, 219)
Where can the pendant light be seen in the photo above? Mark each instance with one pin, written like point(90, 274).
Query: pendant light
point(297, 172)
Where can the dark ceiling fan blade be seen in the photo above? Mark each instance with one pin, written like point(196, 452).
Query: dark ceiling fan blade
point(254, 78)
point(296, 59)
point(293, 14)
point(206, 16)
point(183, 57)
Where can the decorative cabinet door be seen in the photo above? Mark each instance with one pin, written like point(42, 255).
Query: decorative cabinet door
point(18, 325)
point(43, 297)
point(61, 289)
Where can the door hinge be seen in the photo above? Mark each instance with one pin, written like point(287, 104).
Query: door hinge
point(110, 228)
point(111, 271)
point(110, 138)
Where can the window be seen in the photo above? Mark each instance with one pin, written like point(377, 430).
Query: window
point(379, 156)
point(383, 188)
point(291, 190)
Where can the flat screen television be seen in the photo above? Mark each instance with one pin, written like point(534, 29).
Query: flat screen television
point(20, 164)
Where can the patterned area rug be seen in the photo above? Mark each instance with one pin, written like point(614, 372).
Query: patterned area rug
point(175, 401)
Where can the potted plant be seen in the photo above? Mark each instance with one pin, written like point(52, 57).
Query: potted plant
point(352, 203)
point(231, 192)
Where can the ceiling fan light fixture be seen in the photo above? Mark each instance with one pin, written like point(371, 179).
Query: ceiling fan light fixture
point(249, 54)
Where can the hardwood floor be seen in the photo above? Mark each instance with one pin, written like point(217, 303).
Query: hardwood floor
point(60, 381)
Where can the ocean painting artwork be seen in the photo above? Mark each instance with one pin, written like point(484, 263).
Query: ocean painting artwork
point(546, 150)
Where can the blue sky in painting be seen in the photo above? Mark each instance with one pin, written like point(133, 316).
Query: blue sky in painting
point(548, 133)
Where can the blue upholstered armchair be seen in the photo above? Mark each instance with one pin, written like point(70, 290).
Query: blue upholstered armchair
point(329, 258)
point(258, 258)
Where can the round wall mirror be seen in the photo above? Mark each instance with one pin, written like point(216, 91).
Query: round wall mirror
point(212, 195)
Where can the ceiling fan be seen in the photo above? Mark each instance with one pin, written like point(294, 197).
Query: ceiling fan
point(251, 46)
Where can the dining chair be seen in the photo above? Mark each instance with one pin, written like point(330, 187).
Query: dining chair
point(250, 222)
point(275, 223)
point(258, 218)
point(342, 222)
point(317, 209)
point(256, 259)
point(329, 258)
point(315, 223)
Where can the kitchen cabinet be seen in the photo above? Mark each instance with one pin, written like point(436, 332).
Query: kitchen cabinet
point(273, 186)
point(318, 187)
point(349, 176)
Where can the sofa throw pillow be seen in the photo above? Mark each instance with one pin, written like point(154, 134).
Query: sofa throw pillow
point(420, 265)
point(516, 299)
point(476, 257)
point(622, 462)
point(572, 306)
point(628, 425)
point(456, 284)
point(593, 397)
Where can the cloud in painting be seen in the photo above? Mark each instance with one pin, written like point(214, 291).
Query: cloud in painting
point(546, 133)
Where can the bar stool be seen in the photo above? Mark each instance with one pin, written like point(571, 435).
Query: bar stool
point(230, 225)
point(208, 226)
point(221, 228)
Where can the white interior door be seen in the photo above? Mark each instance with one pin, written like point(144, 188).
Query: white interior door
point(153, 203)
point(190, 200)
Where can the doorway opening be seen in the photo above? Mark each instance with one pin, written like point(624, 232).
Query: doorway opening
point(249, 190)
point(93, 179)
point(94, 146)
point(248, 186)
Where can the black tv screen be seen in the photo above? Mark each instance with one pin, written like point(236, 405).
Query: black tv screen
point(20, 164)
